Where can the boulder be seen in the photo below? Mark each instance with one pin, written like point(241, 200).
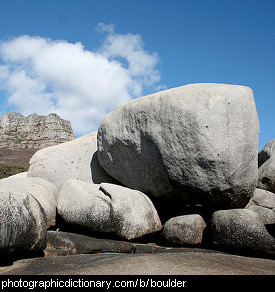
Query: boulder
point(266, 180)
point(45, 193)
point(263, 203)
point(198, 141)
point(22, 226)
point(184, 230)
point(266, 152)
point(108, 208)
point(241, 231)
point(76, 159)
point(19, 175)
point(266, 162)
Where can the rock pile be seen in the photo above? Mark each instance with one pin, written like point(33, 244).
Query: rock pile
point(179, 167)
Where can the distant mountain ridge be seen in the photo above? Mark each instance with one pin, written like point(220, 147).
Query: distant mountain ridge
point(21, 137)
point(33, 132)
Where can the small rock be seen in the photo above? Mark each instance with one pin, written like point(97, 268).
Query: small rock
point(184, 230)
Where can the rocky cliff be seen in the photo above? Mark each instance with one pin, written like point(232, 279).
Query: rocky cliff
point(21, 136)
point(34, 131)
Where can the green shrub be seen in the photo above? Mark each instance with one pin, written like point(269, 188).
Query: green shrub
point(11, 169)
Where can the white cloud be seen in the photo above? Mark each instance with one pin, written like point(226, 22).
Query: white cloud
point(110, 28)
point(43, 75)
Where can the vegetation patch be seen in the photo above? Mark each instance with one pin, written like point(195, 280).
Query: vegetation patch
point(11, 169)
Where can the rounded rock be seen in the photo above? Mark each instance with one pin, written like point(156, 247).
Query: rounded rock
point(199, 141)
point(184, 230)
point(22, 226)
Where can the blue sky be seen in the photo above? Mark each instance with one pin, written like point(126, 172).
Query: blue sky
point(147, 45)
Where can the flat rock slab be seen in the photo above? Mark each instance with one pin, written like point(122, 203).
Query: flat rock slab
point(65, 243)
point(197, 262)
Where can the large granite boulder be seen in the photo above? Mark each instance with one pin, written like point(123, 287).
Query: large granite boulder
point(22, 226)
point(241, 231)
point(108, 208)
point(76, 159)
point(45, 193)
point(198, 141)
